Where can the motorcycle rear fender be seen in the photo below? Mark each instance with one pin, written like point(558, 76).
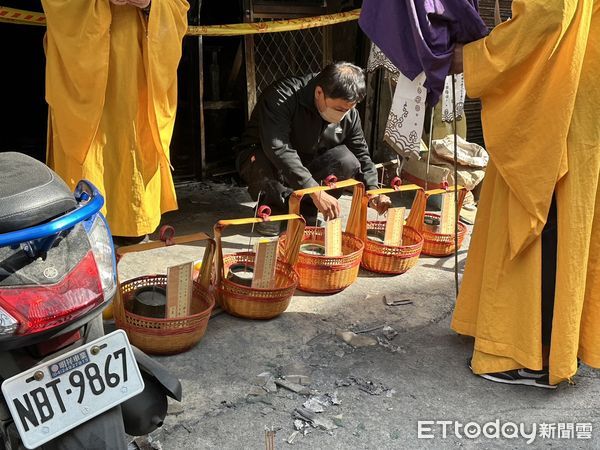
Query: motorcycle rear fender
point(170, 384)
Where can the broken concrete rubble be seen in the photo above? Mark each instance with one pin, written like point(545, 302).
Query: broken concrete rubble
point(355, 340)
point(294, 387)
point(387, 344)
point(314, 404)
point(268, 382)
point(316, 420)
point(368, 386)
point(389, 332)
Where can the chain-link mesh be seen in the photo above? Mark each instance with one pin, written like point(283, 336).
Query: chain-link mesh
point(278, 55)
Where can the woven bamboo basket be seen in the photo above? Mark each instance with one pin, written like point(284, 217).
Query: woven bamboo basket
point(328, 274)
point(436, 244)
point(390, 259)
point(439, 244)
point(331, 274)
point(254, 303)
point(167, 336)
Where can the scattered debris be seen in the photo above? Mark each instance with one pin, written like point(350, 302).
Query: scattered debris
point(303, 380)
point(175, 409)
point(294, 387)
point(266, 380)
point(270, 386)
point(290, 439)
point(148, 442)
point(355, 340)
point(389, 332)
point(340, 353)
point(256, 391)
point(314, 404)
point(318, 403)
point(390, 393)
point(334, 399)
point(263, 398)
point(296, 374)
point(266, 411)
point(368, 330)
point(316, 420)
point(396, 302)
point(368, 386)
point(299, 424)
point(338, 420)
point(343, 382)
point(387, 344)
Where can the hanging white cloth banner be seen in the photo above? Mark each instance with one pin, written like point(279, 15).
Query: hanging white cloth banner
point(405, 123)
point(378, 59)
point(461, 93)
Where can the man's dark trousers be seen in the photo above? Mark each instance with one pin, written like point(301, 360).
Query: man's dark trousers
point(262, 176)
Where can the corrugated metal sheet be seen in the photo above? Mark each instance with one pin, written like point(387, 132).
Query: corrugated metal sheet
point(473, 107)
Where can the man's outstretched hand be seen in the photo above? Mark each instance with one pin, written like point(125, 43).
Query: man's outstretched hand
point(380, 203)
point(326, 204)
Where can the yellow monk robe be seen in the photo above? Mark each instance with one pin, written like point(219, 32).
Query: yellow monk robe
point(537, 77)
point(111, 84)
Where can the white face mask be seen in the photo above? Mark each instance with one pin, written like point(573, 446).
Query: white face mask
point(332, 116)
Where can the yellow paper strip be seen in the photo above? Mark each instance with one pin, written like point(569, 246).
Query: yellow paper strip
point(448, 214)
point(179, 290)
point(394, 226)
point(333, 237)
point(265, 263)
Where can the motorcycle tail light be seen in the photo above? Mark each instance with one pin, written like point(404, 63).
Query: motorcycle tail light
point(104, 252)
point(43, 307)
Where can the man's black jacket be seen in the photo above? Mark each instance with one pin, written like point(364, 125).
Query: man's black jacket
point(288, 128)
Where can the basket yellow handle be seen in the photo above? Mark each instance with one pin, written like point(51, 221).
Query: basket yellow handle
point(354, 225)
point(295, 231)
point(403, 188)
point(159, 244)
point(383, 191)
point(417, 212)
point(168, 238)
point(431, 192)
point(297, 195)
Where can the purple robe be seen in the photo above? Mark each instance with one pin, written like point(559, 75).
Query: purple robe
point(419, 35)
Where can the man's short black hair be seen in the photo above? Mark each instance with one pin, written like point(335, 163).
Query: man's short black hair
point(343, 80)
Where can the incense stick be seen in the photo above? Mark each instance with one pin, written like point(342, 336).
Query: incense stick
point(456, 211)
point(249, 247)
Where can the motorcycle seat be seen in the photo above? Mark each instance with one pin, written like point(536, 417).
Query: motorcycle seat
point(30, 193)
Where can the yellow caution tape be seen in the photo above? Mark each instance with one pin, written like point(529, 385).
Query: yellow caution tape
point(275, 26)
point(22, 17)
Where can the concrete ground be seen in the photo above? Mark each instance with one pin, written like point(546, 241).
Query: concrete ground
point(381, 392)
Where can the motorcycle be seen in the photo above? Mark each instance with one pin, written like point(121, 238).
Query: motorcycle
point(65, 384)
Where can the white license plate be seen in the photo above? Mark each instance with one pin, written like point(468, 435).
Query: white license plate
point(56, 396)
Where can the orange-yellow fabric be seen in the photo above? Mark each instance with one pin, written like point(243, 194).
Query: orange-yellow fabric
point(537, 78)
point(111, 87)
